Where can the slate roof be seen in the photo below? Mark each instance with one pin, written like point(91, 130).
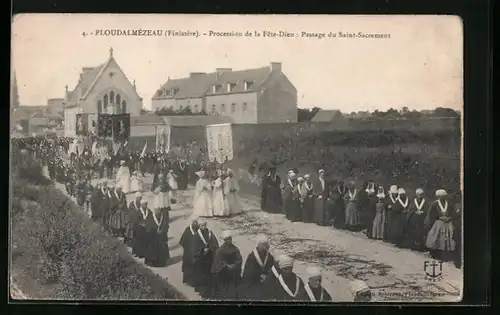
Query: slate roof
point(25, 112)
point(201, 84)
point(196, 120)
point(148, 119)
point(86, 81)
point(326, 115)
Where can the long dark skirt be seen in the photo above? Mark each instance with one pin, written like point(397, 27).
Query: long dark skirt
point(139, 242)
point(338, 212)
point(203, 276)
point(293, 210)
point(157, 253)
point(225, 289)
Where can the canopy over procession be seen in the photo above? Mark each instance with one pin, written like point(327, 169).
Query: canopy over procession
point(110, 184)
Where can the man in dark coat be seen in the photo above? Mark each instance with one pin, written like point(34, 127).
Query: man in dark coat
point(133, 218)
point(204, 245)
point(257, 268)
point(315, 292)
point(283, 284)
point(187, 241)
point(181, 170)
point(226, 269)
point(157, 226)
point(271, 195)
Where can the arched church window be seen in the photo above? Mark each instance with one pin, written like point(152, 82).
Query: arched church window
point(112, 97)
point(99, 106)
point(105, 102)
point(124, 107)
point(118, 98)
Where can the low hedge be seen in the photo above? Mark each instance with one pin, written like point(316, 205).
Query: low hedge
point(65, 247)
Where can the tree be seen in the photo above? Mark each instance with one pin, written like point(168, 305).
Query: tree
point(443, 112)
point(306, 114)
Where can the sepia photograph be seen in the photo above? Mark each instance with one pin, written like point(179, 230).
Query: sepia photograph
point(274, 158)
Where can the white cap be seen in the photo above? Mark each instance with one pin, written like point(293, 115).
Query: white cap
point(300, 179)
point(393, 189)
point(307, 176)
point(321, 171)
point(441, 193)
point(137, 195)
point(419, 191)
point(291, 172)
point(401, 191)
point(226, 234)
point(262, 238)
point(358, 286)
point(285, 261)
point(122, 162)
point(313, 271)
point(144, 202)
point(229, 171)
point(194, 218)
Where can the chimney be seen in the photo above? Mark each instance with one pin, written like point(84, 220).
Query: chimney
point(222, 70)
point(195, 74)
point(276, 66)
point(110, 52)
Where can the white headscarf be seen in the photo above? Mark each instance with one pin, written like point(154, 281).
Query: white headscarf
point(285, 261)
point(358, 286)
point(313, 271)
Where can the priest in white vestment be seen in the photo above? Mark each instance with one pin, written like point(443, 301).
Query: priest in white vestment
point(232, 193)
point(202, 201)
point(123, 177)
point(219, 205)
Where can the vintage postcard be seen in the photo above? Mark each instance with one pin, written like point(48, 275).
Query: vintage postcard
point(236, 157)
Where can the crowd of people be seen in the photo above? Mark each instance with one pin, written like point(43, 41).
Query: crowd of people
point(419, 223)
point(216, 271)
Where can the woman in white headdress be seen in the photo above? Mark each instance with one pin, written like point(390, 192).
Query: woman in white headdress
point(135, 183)
point(219, 205)
point(231, 193)
point(202, 201)
point(123, 177)
point(439, 223)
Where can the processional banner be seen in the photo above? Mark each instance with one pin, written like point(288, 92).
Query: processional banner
point(163, 138)
point(220, 142)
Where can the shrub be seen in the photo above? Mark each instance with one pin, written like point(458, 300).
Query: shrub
point(62, 244)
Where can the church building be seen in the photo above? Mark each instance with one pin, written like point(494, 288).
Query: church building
point(101, 89)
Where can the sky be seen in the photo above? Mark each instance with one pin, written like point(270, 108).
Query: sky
point(420, 66)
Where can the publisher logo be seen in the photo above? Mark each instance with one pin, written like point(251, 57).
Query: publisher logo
point(433, 270)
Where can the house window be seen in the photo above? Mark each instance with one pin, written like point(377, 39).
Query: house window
point(213, 108)
point(230, 86)
point(112, 97)
point(105, 102)
point(244, 107)
point(99, 106)
point(181, 107)
point(195, 108)
point(188, 108)
point(223, 108)
point(118, 99)
point(124, 107)
point(248, 84)
point(217, 88)
point(233, 107)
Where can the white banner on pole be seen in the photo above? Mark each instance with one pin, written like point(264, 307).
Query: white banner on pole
point(220, 142)
point(163, 138)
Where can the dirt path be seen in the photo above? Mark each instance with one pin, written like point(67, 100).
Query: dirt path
point(394, 274)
